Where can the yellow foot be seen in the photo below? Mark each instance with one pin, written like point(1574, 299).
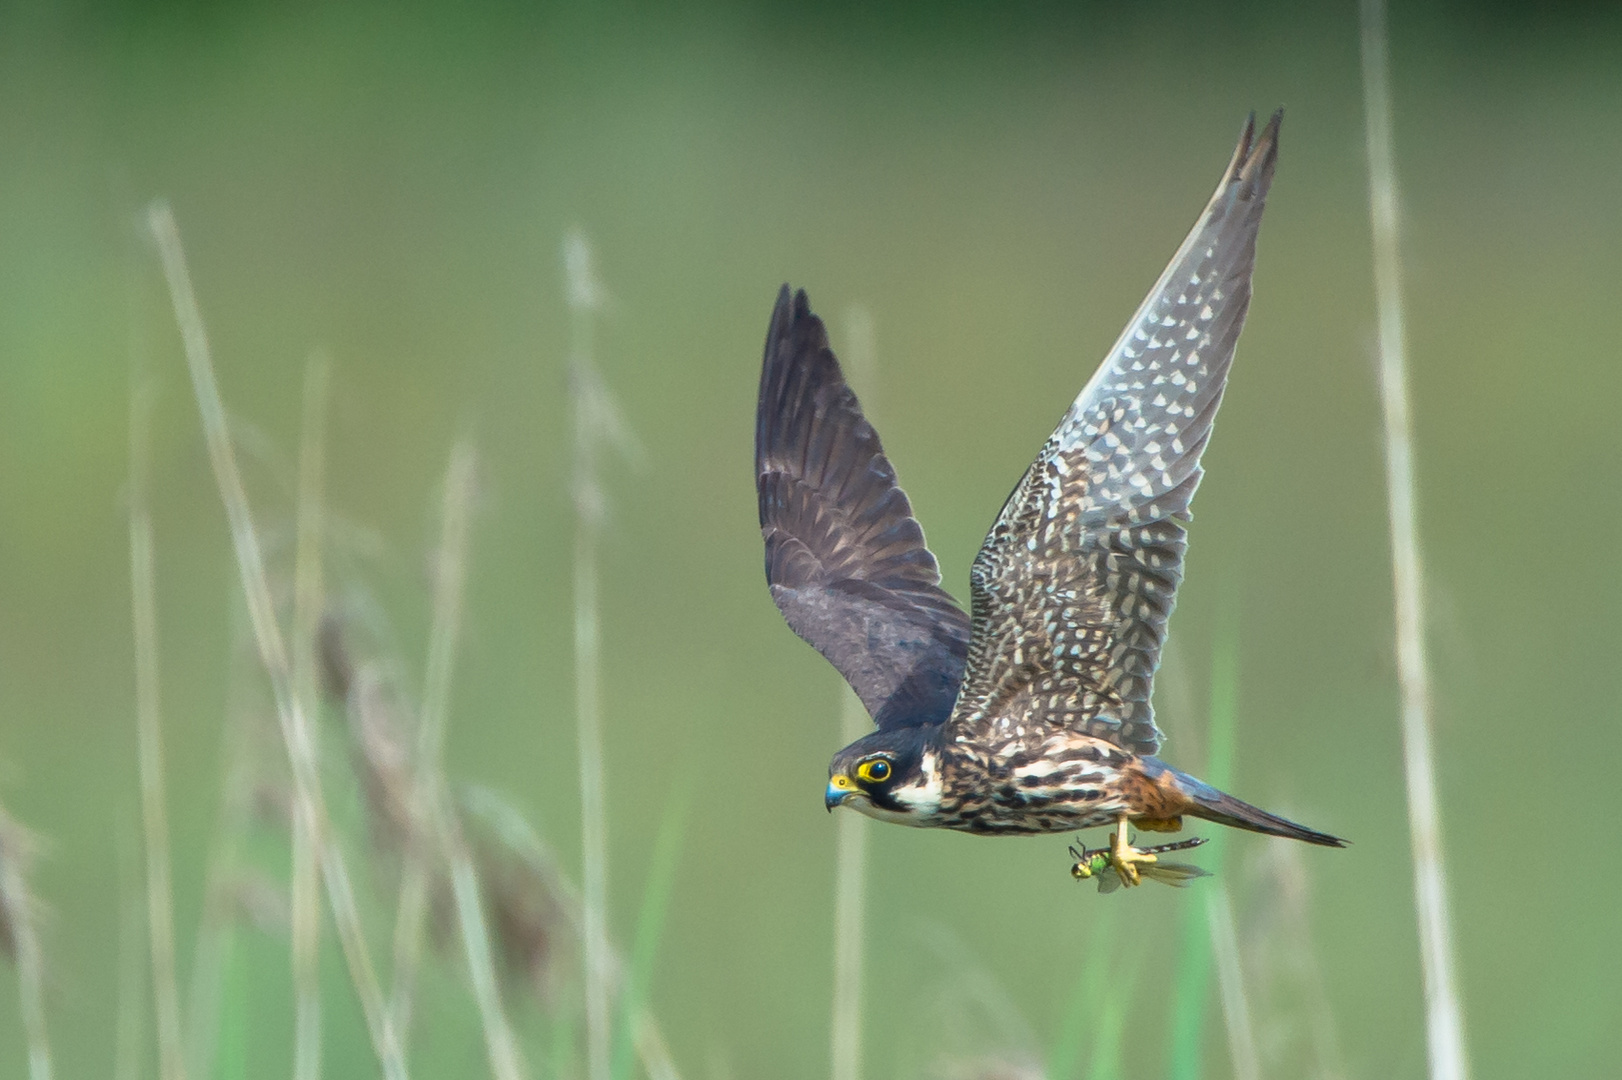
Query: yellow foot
point(1125, 858)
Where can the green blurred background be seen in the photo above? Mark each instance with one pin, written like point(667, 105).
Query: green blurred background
point(391, 183)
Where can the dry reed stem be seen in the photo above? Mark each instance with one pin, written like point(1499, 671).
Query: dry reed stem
point(19, 935)
point(1444, 1014)
point(149, 739)
point(308, 601)
point(295, 727)
point(1231, 984)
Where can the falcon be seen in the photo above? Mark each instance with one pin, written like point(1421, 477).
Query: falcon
point(1030, 714)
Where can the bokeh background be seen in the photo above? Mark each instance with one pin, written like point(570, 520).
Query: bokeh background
point(992, 191)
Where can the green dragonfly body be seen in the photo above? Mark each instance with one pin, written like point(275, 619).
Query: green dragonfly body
point(1093, 863)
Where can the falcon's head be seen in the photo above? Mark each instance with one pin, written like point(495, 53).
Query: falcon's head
point(893, 775)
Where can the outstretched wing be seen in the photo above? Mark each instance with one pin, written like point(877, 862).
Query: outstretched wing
point(1074, 584)
point(845, 558)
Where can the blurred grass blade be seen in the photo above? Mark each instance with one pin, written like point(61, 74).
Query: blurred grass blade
point(211, 946)
point(1444, 1015)
point(1109, 1040)
point(290, 715)
point(1088, 996)
point(1231, 984)
point(1194, 952)
point(237, 983)
point(650, 923)
point(128, 1027)
point(19, 935)
point(307, 605)
point(149, 737)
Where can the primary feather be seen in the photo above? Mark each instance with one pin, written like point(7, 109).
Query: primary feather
point(845, 559)
point(1073, 586)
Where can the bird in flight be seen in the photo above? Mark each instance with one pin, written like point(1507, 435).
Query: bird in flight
point(1031, 713)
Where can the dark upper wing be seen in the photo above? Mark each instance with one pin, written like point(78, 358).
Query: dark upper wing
point(1073, 586)
point(845, 559)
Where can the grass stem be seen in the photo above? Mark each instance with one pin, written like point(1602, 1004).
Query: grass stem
point(1444, 1014)
point(850, 841)
point(591, 410)
point(295, 726)
point(149, 739)
point(850, 917)
point(638, 974)
point(449, 565)
point(440, 836)
point(307, 605)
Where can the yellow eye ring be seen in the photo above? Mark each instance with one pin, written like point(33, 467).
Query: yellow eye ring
point(876, 771)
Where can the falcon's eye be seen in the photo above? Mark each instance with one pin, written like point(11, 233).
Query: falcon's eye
point(876, 771)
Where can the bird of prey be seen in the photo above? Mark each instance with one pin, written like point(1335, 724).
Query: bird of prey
point(1031, 714)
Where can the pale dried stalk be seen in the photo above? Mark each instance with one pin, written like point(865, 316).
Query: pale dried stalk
point(149, 738)
point(307, 604)
point(499, 1044)
point(1444, 1014)
point(1231, 983)
point(585, 294)
point(18, 918)
point(449, 566)
point(295, 726)
point(516, 834)
point(593, 816)
point(1279, 953)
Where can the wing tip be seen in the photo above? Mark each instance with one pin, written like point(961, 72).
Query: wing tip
point(1256, 155)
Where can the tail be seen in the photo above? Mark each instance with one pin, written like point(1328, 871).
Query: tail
point(1224, 809)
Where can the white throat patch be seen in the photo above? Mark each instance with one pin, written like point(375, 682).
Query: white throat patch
point(921, 797)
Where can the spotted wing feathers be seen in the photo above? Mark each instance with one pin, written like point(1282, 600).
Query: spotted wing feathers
point(845, 558)
point(1073, 586)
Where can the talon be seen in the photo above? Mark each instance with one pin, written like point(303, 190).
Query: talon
point(1125, 858)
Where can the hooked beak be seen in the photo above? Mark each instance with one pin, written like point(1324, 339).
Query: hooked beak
point(840, 788)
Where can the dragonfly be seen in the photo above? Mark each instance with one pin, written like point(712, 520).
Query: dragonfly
point(1094, 863)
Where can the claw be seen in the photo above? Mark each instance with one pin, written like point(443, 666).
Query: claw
point(1125, 858)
